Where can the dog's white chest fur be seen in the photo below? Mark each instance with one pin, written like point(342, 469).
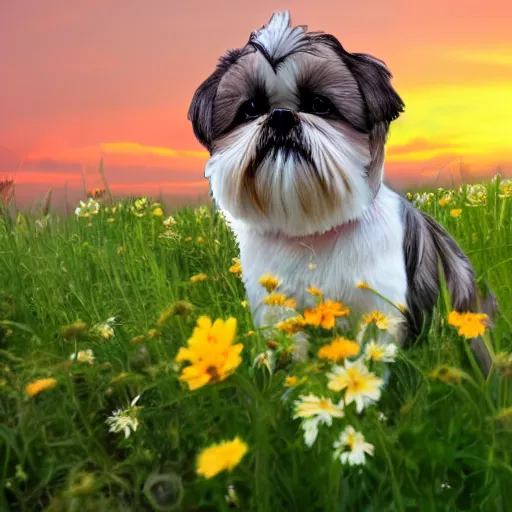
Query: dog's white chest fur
point(371, 251)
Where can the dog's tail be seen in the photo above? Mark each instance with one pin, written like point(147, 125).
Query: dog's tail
point(429, 248)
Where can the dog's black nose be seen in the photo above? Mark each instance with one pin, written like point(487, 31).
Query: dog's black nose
point(282, 120)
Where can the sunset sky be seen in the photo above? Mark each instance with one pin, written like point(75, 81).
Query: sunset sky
point(81, 79)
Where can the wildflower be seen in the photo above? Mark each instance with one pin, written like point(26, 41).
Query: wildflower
point(446, 199)
point(269, 282)
point(312, 266)
point(290, 381)
point(272, 344)
point(111, 219)
point(231, 497)
point(455, 212)
point(236, 268)
point(325, 314)
point(92, 207)
point(244, 303)
point(316, 411)
point(385, 352)
point(169, 222)
point(292, 325)
point(124, 420)
point(376, 317)
point(382, 417)
point(153, 333)
point(470, 325)
point(219, 457)
point(352, 447)
point(363, 285)
point(198, 277)
point(35, 387)
point(447, 374)
point(138, 339)
point(423, 199)
point(200, 240)
point(339, 348)
point(249, 333)
point(505, 189)
point(158, 212)
point(279, 299)
point(476, 195)
point(105, 329)
point(83, 356)
point(311, 405)
point(211, 352)
point(267, 359)
point(315, 291)
point(74, 330)
point(361, 386)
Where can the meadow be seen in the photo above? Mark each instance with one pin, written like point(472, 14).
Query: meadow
point(116, 390)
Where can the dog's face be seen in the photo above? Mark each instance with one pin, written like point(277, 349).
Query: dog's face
point(296, 128)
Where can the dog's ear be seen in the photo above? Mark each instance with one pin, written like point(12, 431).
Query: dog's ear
point(383, 103)
point(200, 112)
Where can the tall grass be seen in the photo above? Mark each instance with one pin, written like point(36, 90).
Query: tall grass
point(441, 433)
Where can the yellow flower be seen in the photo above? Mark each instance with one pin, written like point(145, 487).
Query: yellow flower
point(290, 381)
point(198, 277)
point(362, 387)
point(269, 282)
point(380, 320)
point(325, 314)
point(455, 212)
point(200, 239)
point(244, 303)
point(158, 212)
point(505, 189)
point(219, 457)
point(363, 285)
point(312, 266)
point(211, 352)
point(339, 348)
point(471, 325)
point(311, 405)
point(292, 325)
point(111, 219)
point(83, 356)
point(315, 291)
point(385, 352)
point(446, 199)
point(279, 299)
point(236, 268)
point(33, 388)
point(249, 333)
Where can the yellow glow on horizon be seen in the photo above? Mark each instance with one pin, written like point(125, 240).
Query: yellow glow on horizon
point(471, 120)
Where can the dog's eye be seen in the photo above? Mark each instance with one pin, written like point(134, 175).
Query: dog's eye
point(320, 105)
point(252, 109)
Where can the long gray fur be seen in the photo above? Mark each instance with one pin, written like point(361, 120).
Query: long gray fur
point(427, 245)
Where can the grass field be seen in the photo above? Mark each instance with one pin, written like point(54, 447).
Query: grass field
point(99, 304)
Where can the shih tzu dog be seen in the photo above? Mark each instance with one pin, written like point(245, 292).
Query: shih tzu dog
point(296, 127)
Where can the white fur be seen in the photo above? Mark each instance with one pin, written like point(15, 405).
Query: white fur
point(371, 251)
point(278, 37)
